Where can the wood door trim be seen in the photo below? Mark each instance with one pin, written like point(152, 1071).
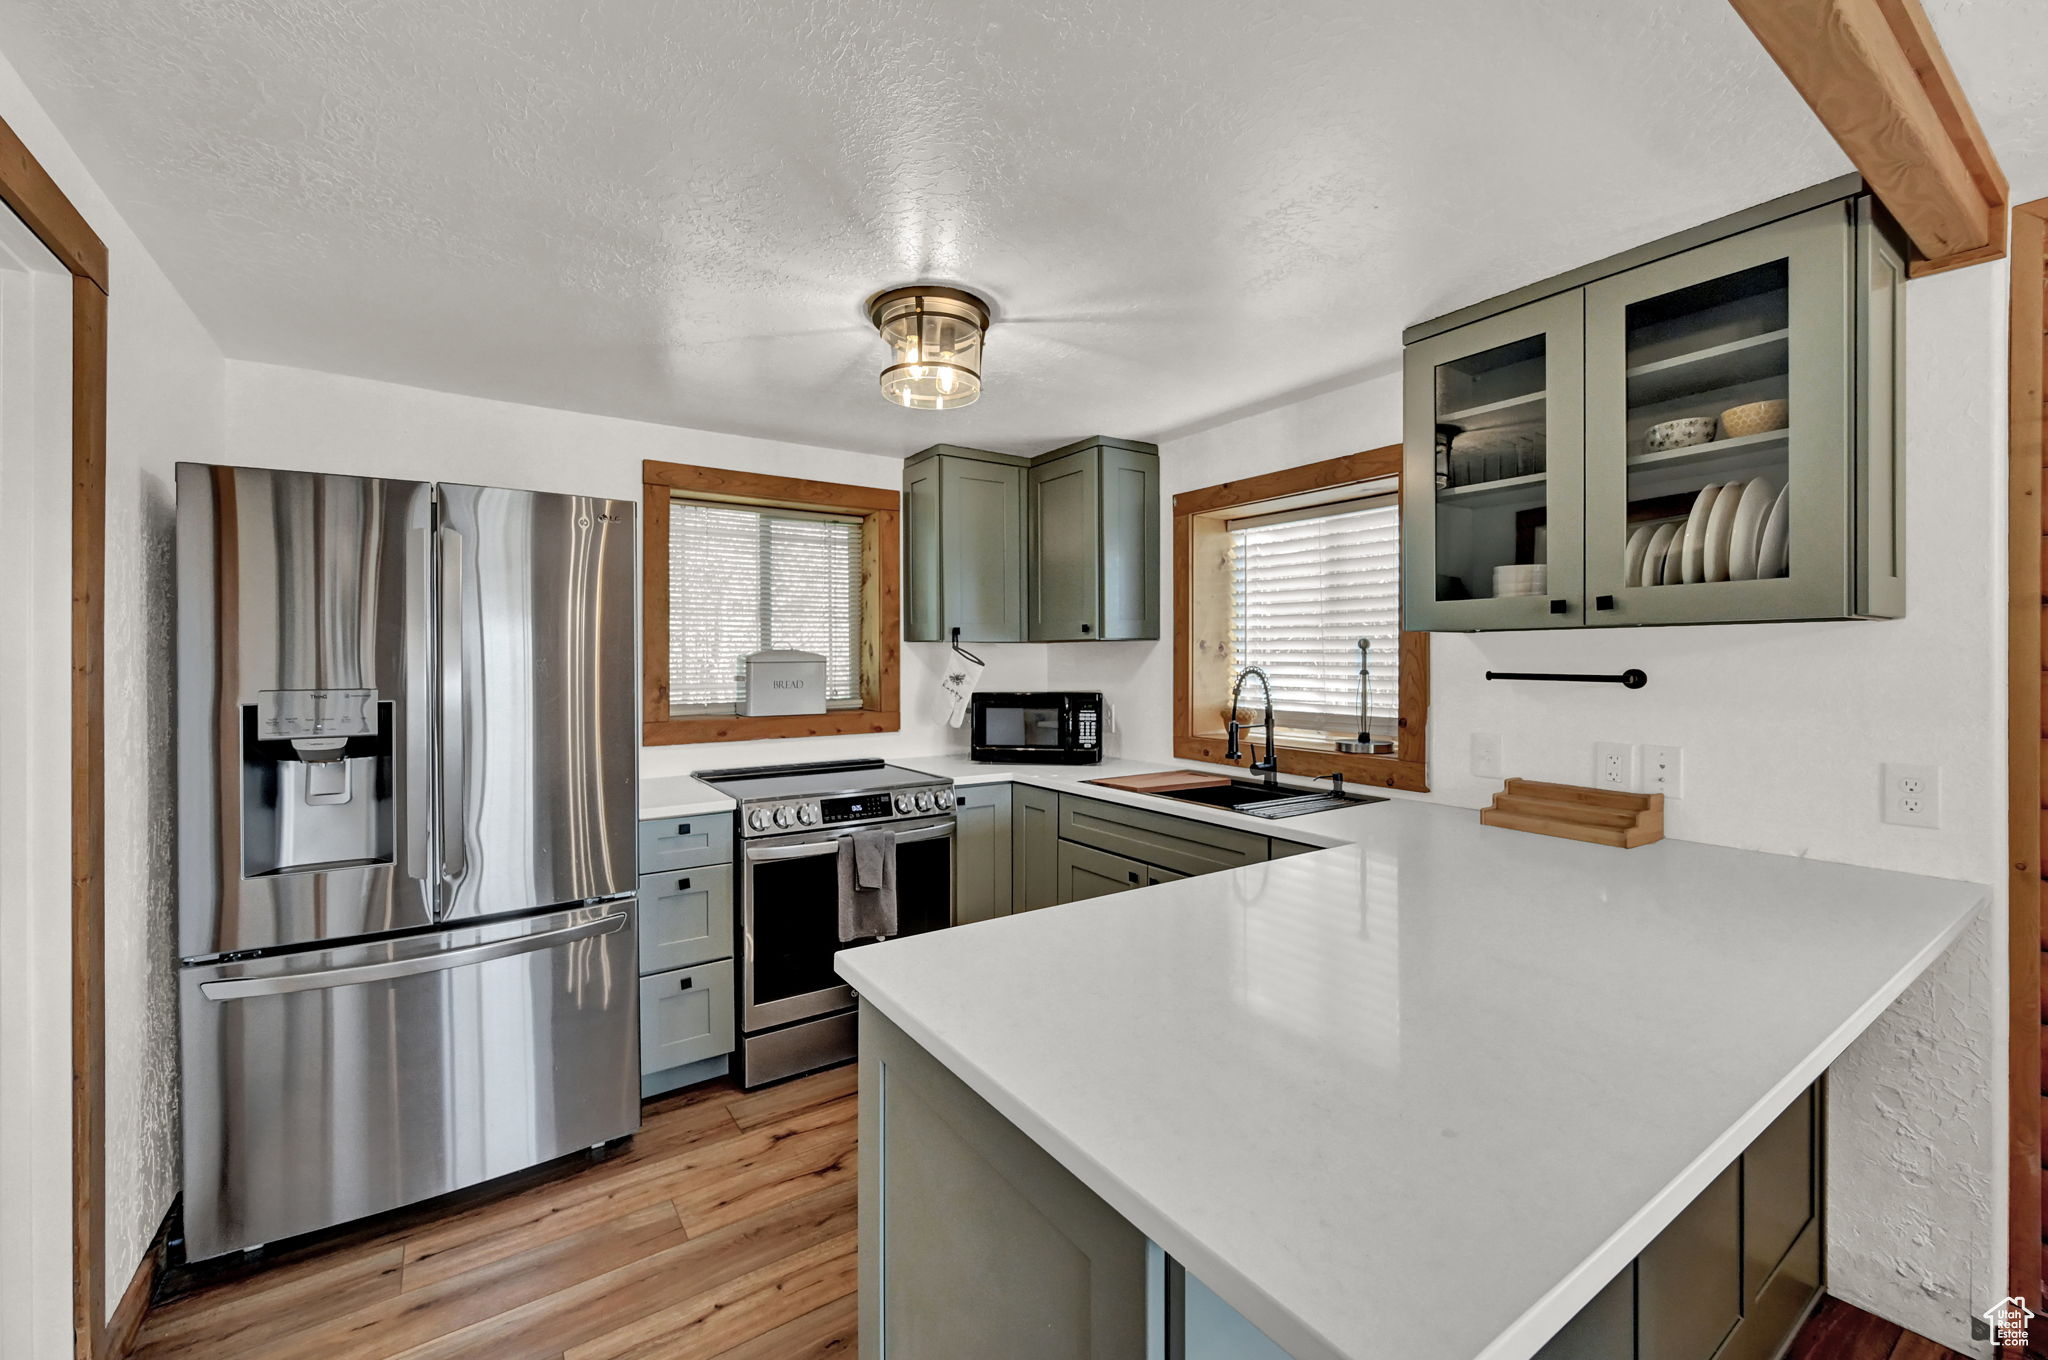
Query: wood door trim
point(2027, 525)
point(88, 816)
point(1200, 512)
point(1874, 73)
point(27, 188)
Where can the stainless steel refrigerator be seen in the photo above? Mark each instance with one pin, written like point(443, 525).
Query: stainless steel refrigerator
point(407, 745)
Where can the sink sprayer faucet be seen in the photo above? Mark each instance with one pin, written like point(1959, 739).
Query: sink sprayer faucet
point(1270, 766)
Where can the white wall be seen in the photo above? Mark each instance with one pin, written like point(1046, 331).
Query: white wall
point(1783, 727)
point(165, 379)
point(296, 418)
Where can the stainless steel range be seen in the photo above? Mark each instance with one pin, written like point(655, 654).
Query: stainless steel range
point(795, 1014)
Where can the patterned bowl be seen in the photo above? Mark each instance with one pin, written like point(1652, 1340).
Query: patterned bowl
point(1680, 434)
point(1755, 418)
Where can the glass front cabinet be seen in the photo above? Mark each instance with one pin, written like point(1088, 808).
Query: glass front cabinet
point(1707, 435)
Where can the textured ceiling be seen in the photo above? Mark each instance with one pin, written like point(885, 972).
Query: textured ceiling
point(1180, 208)
point(1999, 49)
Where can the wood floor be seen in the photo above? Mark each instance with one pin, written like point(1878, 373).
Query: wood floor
point(725, 1232)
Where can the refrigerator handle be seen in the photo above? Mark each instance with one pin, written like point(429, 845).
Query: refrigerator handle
point(453, 725)
point(419, 682)
point(241, 989)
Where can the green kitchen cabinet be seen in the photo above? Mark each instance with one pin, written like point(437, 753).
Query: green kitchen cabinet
point(1092, 538)
point(1180, 844)
point(1034, 847)
point(1063, 547)
point(973, 1240)
point(963, 533)
point(983, 871)
point(1564, 500)
point(1732, 1276)
point(1085, 873)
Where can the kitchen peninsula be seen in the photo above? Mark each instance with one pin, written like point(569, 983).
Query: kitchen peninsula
point(1426, 1091)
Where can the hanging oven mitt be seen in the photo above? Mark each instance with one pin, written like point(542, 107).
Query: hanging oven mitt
point(962, 675)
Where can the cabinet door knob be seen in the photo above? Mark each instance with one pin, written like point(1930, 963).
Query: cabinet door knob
point(685, 984)
point(1558, 606)
point(682, 828)
point(1087, 627)
point(682, 885)
point(1603, 602)
point(1134, 875)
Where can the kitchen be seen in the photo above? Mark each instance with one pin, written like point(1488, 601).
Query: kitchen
point(1783, 729)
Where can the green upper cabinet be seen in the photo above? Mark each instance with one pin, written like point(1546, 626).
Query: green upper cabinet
point(1063, 547)
point(1092, 536)
point(1701, 431)
point(963, 529)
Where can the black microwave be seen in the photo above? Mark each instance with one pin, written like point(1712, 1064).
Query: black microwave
point(1063, 727)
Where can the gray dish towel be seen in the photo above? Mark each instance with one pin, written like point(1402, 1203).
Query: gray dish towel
point(867, 885)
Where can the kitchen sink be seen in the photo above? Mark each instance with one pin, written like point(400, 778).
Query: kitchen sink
point(1261, 800)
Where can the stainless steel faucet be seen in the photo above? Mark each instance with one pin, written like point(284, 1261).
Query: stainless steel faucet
point(1270, 766)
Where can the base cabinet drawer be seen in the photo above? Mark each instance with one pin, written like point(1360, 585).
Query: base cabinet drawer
point(1086, 873)
point(681, 842)
point(685, 917)
point(1178, 843)
point(686, 1015)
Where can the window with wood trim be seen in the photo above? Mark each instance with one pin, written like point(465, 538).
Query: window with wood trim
point(738, 562)
point(1289, 572)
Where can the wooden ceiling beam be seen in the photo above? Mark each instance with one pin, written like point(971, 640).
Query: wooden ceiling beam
point(1874, 74)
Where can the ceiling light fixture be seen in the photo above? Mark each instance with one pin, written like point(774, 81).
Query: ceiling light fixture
point(934, 336)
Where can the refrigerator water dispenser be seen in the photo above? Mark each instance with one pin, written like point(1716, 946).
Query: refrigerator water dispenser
point(316, 781)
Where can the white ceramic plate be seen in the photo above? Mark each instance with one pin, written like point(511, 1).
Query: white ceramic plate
point(1747, 533)
point(1654, 553)
point(1632, 555)
point(1693, 547)
point(1772, 548)
point(1720, 527)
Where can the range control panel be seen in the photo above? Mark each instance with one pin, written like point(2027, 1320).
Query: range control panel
point(781, 816)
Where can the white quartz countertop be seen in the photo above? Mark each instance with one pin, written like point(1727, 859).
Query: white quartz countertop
point(680, 795)
point(1425, 1092)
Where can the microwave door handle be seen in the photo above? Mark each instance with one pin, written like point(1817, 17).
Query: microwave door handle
point(453, 712)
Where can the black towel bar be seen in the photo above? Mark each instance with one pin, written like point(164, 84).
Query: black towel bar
point(1629, 679)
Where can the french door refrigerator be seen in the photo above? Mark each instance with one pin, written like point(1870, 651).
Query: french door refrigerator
point(407, 745)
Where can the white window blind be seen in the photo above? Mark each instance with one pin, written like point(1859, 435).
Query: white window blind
point(741, 580)
point(1306, 585)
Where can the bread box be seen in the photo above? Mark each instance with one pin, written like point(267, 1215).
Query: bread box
point(780, 682)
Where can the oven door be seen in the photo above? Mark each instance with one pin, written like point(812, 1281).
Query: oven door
point(789, 916)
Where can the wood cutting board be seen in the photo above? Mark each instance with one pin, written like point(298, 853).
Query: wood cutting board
point(1163, 781)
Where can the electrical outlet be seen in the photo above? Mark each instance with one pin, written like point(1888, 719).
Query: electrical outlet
point(1486, 756)
point(1663, 770)
point(1614, 765)
point(1912, 795)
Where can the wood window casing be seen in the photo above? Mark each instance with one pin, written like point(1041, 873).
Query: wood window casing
point(1201, 625)
point(881, 602)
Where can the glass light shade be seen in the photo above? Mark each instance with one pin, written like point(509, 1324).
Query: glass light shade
point(934, 336)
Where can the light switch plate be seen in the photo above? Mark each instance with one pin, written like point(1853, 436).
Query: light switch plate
point(1664, 770)
point(1486, 755)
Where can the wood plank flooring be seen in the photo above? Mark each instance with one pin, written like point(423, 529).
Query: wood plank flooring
point(724, 1232)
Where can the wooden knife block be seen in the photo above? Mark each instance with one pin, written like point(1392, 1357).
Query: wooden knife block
point(1601, 816)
